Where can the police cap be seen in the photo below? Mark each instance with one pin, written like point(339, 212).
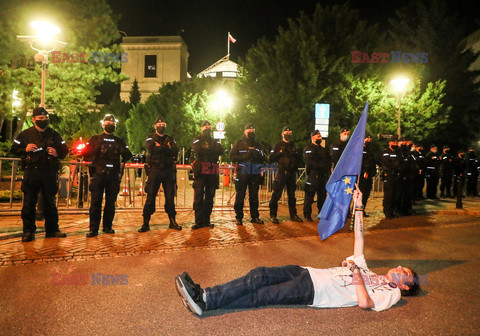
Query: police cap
point(286, 129)
point(39, 111)
point(109, 117)
point(316, 132)
point(249, 126)
point(160, 120)
point(206, 123)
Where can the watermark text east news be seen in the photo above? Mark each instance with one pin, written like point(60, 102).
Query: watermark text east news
point(396, 57)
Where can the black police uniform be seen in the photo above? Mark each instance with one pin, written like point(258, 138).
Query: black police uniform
point(105, 151)
point(472, 173)
point(391, 181)
point(447, 174)
point(419, 178)
point(408, 171)
point(336, 150)
point(206, 177)
point(368, 172)
point(161, 169)
point(41, 174)
point(459, 172)
point(286, 155)
point(432, 173)
point(318, 164)
point(249, 157)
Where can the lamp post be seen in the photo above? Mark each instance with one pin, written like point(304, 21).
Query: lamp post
point(45, 36)
point(399, 86)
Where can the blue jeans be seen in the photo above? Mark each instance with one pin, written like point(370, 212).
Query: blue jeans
point(263, 286)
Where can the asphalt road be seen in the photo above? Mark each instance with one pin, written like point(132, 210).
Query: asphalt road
point(42, 299)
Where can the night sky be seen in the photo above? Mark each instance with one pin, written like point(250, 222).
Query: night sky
point(205, 23)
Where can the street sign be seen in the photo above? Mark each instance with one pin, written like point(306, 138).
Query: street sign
point(218, 135)
point(322, 118)
point(220, 126)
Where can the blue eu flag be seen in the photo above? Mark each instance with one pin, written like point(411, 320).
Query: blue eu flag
point(341, 183)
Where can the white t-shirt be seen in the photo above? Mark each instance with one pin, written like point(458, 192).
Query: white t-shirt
point(334, 287)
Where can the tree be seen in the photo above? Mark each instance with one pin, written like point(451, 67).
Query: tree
point(433, 27)
point(71, 88)
point(135, 95)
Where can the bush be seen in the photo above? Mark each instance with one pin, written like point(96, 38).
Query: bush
point(5, 195)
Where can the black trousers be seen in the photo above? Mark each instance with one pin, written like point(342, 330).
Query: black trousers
point(391, 192)
point(405, 196)
point(108, 183)
point(419, 183)
point(365, 185)
point(283, 179)
point(432, 184)
point(242, 182)
point(314, 186)
point(157, 177)
point(472, 181)
point(204, 193)
point(446, 184)
point(34, 181)
point(455, 184)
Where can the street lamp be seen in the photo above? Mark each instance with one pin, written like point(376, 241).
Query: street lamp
point(399, 85)
point(16, 100)
point(222, 101)
point(45, 35)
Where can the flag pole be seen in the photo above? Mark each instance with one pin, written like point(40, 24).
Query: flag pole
point(228, 45)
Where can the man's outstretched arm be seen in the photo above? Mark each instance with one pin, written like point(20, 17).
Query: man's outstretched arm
point(358, 224)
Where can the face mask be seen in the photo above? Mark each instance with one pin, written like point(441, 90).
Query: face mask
point(344, 137)
point(318, 142)
point(251, 135)
point(287, 137)
point(110, 128)
point(160, 129)
point(206, 132)
point(42, 123)
point(394, 147)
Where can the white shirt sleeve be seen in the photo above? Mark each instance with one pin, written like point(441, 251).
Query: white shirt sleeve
point(384, 299)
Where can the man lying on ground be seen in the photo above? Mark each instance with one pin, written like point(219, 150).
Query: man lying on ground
point(353, 284)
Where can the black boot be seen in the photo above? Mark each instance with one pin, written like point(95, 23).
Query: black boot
point(145, 226)
point(173, 223)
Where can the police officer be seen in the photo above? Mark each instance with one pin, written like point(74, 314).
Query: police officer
point(369, 169)
point(420, 179)
point(286, 155)
point(472, 172)
point(337, 148)
point(391, 180)
point(107, 153)
point(318, 163)
point(432, 171)
point(447, 172)
point(161, 169)
point(206, 174)
point(41, 149)
point(249, 156)
point(459, 171)
point(408, 170)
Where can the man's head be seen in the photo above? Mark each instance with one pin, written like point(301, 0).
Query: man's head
point(40, 118)
point(368, 139)
point(419, 147)
point(316, 137)
point(160, 126)
point(446, 149)
point(433, 149)
point(286, 133)
point(109, 122)
point(206, 128)
point(461, 153)
point(405, 279)
point(249, 131)
point(344, 134)
point(393, 144)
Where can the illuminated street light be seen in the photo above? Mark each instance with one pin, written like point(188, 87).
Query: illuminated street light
point(399, 84)
point(222, 101)
point(16, 101)
point(45, 33)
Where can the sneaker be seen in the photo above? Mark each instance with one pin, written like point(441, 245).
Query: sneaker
point(256, 221)
point(109, 230)
point(192, 294)
point(28, 236)
point(56, 234)
point(295, 218)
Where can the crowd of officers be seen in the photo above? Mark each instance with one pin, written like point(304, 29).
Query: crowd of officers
point(405, 168)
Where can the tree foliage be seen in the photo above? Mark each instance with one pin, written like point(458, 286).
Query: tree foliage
point(135, 95)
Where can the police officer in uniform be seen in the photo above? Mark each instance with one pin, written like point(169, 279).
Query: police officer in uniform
point(161, 169)
point(447, 172)
point(41, 149)
point(459, 171)
point(420, 178)
point(337, 148)
point(318, 163)
point(472, 172)
point(432, 172)
point(391, 179)
point(369, 169)
point(107, 153)
point(286, 155)
point(249, 156)
point(206, 174)
point(408, 170)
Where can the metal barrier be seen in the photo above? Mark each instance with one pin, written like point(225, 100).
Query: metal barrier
point(74, 178)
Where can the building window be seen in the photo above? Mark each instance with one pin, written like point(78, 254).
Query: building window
point(150, 66)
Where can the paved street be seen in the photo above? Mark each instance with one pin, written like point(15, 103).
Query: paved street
point(46, 285)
